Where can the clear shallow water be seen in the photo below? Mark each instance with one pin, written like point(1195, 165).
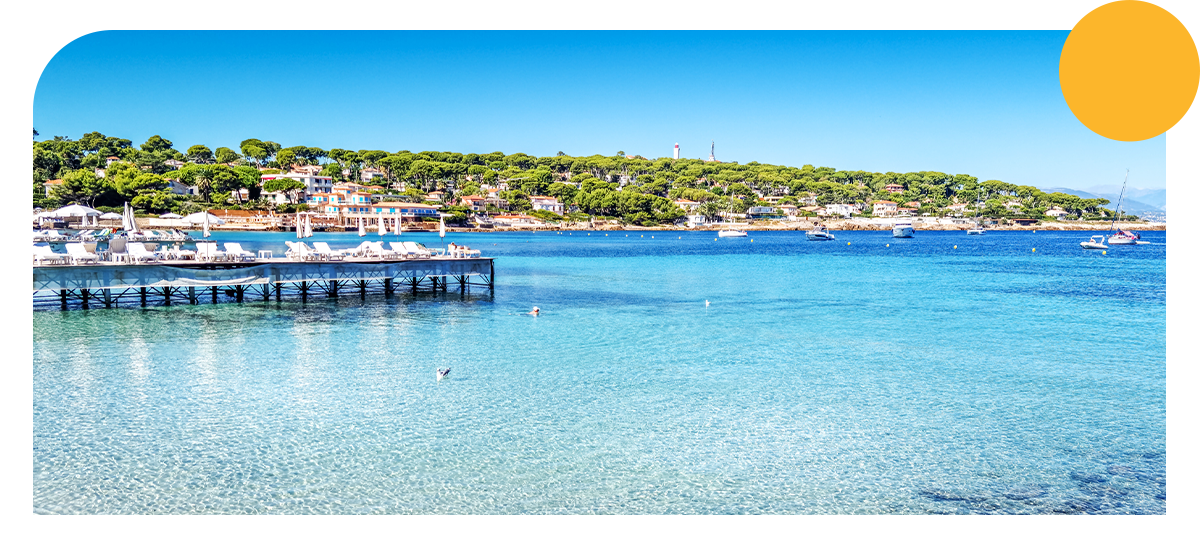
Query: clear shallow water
point(823, 378)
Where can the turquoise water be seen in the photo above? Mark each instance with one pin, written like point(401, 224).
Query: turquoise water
point(880, 376)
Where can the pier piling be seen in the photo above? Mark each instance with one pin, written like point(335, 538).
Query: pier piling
point(155, 284)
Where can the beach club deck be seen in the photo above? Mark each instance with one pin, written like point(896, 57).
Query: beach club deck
point(110, 284)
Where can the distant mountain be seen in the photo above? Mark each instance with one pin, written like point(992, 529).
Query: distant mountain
point(1152, 197)
point(1156, 205)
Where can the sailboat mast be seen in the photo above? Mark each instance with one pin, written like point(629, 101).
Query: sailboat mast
point(1117, 212)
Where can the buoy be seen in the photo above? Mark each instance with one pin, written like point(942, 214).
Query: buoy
point(956, 246)
point(888, 245)
point(681, 237)
point(651, 237)
point(847, 242)
point(1035, 249)
point(1103, 252)
point(751, 240)
point(714, 239)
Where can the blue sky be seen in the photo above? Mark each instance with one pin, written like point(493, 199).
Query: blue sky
point(985, 103)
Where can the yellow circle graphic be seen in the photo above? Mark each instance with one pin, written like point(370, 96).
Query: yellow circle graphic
point(1129, 70)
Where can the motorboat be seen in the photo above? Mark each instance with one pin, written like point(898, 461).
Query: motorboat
point(977, 230)
point(903, 228)
point(731, 233)
point(1096, 242)
point(819, 233)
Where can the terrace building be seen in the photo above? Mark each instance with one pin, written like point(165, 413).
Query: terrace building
point(884, 208)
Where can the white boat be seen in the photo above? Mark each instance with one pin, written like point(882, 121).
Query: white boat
point(819, 233)
point(903, 228)
point(977, 230)
point(1124, 237)
point(731, 233)
point(1120, 236)
point(1096, 242)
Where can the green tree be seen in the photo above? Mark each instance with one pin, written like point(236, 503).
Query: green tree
point(225, 155)
point(287, 185)
point(79, 186)
point(200, 154)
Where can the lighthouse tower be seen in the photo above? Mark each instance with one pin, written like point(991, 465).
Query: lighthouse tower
point(676, 151)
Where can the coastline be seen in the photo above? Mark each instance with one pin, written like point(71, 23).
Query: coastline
point(832, 225)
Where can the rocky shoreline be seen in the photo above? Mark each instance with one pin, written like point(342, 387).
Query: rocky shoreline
point(832, 225)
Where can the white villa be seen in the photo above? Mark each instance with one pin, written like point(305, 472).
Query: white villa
point(884, 208)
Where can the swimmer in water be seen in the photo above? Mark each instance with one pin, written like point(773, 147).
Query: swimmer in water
point(535, 311)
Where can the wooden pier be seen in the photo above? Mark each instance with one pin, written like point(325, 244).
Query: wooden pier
point(111, 285)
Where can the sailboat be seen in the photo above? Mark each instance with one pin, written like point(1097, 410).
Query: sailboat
point(1120, 236)
point(730, 232)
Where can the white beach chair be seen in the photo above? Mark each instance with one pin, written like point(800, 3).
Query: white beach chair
point(417, 250)
point(208, 252)
point(300, 251)
point(326, 253)
point(42, 254)
point(79, 254)
point(359, 251)
point(235, 250)
point(398, 248)
point(375, 250)
point(138, 252)
point(179, 253)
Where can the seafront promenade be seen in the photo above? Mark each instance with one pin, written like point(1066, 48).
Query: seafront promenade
point(112, 284)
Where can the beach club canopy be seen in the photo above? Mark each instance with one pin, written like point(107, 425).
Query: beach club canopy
point(198, 218)
point(75, 210)
point(111, 216)
point(170, 215)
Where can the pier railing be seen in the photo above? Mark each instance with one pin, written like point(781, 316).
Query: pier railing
point(113, 285)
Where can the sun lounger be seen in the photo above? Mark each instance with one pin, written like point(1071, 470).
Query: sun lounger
point(79, 254)
point(138, 252)
point(300, 251)
point(209, 252)
point(235, 250)
point(417, 250)
point(398, 248)
point(323, 249)
point(377, 250)
point(179, 253)
point(42, 254)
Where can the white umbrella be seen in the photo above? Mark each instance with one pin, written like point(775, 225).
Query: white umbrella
point(128, 223)
point(441, 227)
point(299, 227)
point(400, 225)
point(75, 210)
point(396, 225)
point(198, 218)
point(382, 226)
point(111, 216)
point(206, 221)
point(308, 226)
point(362, 230)
point(167, 215)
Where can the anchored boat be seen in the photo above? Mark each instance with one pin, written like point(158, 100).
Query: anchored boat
point(903, 228)
point(819, 233)
point(1096, 242)
point(1120, 236)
